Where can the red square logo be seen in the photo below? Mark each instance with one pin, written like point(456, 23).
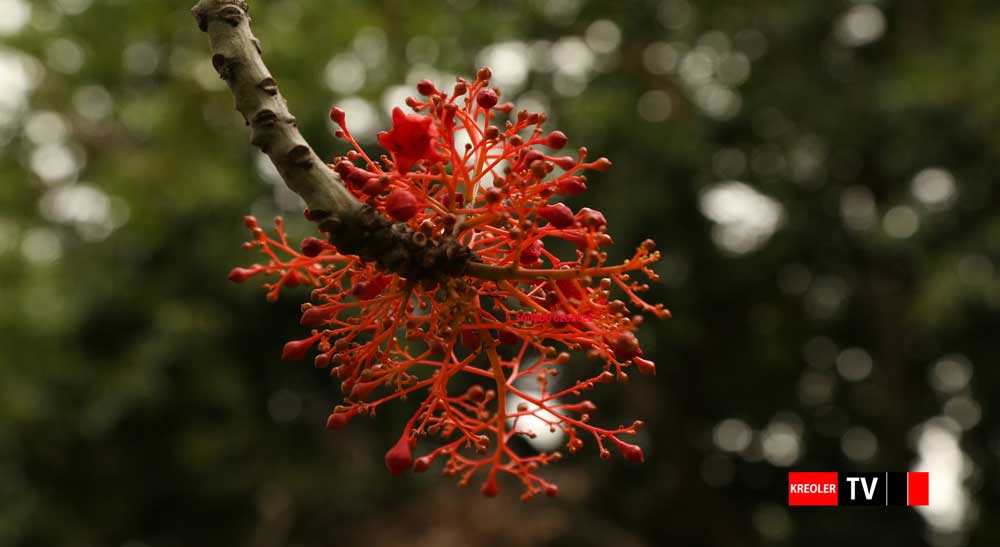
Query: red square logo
point(812, 488)
point(917, 488)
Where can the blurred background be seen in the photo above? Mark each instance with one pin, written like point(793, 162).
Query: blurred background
point(821, 176)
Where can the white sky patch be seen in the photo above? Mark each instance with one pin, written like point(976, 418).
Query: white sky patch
point(661, 57)
point(14, 14)
point(900, 222)
point(76, 204)
point(697, 66)
point(545, 439)
point(934, 187)
point(940, 455)
point(93, 213)
point(41, 246)
point(675, 14)
point(572, 56)
point(561, 12)
point(93, 102)
point(718, 101)
point(396, 96)
point(345, 74)
point(782, 443)
point(370, 45)
point(509, 63)
point(860, 25)
point(744, 218)
point(654, 105)
point(54, 162)
point(20, 74)
point(540, 53)
point(422, 49)
point(732, 435)
point(603, 36)
point(362, 118)
point(141, 58)
point(45, 127)
point(951, 374)
point(857, 208)
point(854, 364)
point(73, 7)
point(859, 444)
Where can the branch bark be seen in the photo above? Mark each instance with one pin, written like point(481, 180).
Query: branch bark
point(236, 55)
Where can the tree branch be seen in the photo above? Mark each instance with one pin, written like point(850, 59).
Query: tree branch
point(236, 55)
point(353, 227)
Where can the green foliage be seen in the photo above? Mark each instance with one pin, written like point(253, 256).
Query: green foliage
point(142, 401)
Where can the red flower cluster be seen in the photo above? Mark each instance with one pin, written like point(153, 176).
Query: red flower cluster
point(387, 338)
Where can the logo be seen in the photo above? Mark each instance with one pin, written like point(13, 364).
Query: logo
point(883, 489)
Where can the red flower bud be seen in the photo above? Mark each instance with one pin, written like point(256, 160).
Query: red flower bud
point(531, 253)
point(583, 407)
point(401, 205)
point(297, 349)
point(624, 345)
point(292, 279)
point(605, 378)
point(645, 366)
point(372, 288)
point(507, 337)
point(422, 464)
point(558, 215)
point(570, 186)
point(530, 156)
point(490, 488)
point(338, 116)
point(361, 390)
point(556, 140)
point(565, 162)
point(339, 420)
point(476, 393)
point(591, 218)
point(372, 187)
point(470, 339)
point(570, 288)
point(602, 164)
point(631, 452)
point(487, 98)
point(314, 317)
point(399, 458)
point(426, 88)
point(239, 275)
point(352, 173)
point(312, 246)
point(493, 195)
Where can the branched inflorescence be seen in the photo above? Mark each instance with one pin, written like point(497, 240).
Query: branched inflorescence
point(460, 340)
